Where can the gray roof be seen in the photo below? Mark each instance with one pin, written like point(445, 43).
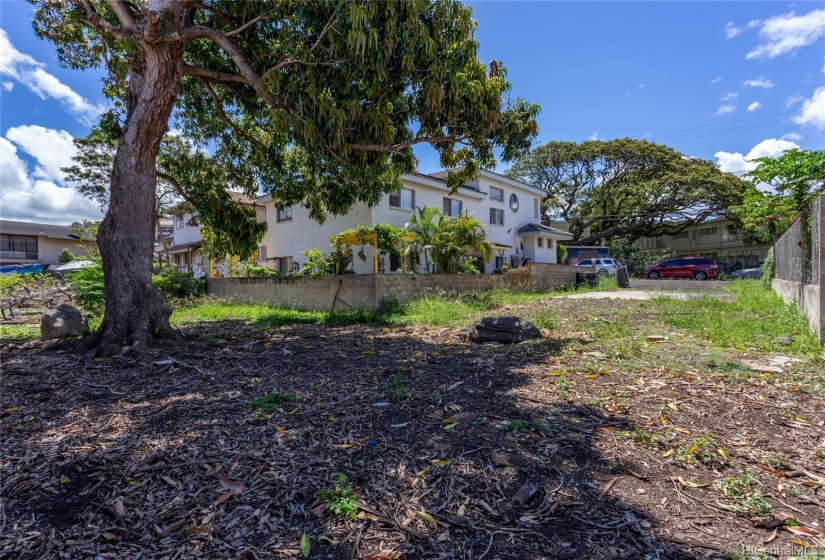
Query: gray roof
point(547, 230)
point(10, 227)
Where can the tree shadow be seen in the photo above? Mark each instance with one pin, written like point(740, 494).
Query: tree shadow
point(447, 451)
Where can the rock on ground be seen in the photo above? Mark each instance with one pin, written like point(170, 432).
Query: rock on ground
point(62, 322)
point(503, 329)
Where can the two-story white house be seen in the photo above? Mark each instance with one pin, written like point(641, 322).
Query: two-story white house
point(510, 211)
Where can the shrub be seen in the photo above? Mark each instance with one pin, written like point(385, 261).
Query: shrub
point(179, 285)
point(768, 270)
point(317, 264)
point(88, 287)
point(65, 257)
point(254, 269)
point(561, 253)
point(466, 266)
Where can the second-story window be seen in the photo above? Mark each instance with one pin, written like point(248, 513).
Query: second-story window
point(496, 194)
point(285, 214)
point(403, 199)
point(179, 221)
point(496, 216)
point(452, 207)
point(536, 208)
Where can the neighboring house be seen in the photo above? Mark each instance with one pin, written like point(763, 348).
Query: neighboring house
point(30, 243)
point(186, 236)
point(510, 211)
point(709, 239)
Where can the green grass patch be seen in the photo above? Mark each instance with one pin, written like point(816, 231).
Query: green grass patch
point(754, 319)
point(18, 334)
point(272, 401)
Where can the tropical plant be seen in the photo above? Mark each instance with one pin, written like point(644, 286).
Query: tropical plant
point(424, 224)
point(458, 239)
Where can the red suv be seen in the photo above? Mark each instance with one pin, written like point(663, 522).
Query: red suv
point(685, 267)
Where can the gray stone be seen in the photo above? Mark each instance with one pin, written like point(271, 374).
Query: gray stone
point(786, 340)
point(503, 329)
point(62, 322)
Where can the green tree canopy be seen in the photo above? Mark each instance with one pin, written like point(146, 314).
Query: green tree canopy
point(626, 188)
point(317, 103)
point(796, 178)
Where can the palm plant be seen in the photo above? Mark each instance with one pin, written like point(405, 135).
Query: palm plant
point(458, 238)
point(424, 224)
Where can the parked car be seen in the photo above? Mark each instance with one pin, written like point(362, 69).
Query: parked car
point(603, 266)
point(699, 268)
point(754, 273)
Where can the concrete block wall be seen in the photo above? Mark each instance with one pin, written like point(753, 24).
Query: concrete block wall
point(367, 291)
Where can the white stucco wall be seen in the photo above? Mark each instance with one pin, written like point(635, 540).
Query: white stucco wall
point(288, 239)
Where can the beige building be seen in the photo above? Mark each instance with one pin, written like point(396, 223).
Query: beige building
point(30, 243)
point(709, 239)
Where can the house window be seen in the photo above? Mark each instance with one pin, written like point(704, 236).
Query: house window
point(452, 207)
point(540, 242)
point(285, 215)
point(513, 203)
point(395, 263)
point(18, 246)
point(708, 231)
point(549, 243)
point(536, 208)
point(498, 262)
point(179, 221)
point(497, 216)
point(496, 194)
point(262, 253)
point(404, 199)
point(283, 264)
point(681, 235)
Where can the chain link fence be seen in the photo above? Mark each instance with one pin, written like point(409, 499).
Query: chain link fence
point(794, 252)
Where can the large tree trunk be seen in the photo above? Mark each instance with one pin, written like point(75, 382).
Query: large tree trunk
point(137, 314)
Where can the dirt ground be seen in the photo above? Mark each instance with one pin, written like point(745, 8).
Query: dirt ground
point(572, 446)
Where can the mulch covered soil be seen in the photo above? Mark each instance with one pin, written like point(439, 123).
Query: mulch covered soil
point(451, 450)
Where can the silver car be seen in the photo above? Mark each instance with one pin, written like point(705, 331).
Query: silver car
point(604, 266)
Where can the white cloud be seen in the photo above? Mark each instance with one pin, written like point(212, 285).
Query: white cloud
point(26, 199)
point(792, 137)
point(594, 136)
point(51, 148)
point(729, 96)
point(759, 82)
point(716, 80)
point(8, 86)
point(734, 162)
point(731, 30)
point(813, 110)
point(724, 110)
point(754, 106)
point(29, 72)
point(786, 33)
point(793, 100)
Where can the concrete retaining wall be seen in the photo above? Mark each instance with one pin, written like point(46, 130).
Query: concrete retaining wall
point(367, 291)
point(808, 298)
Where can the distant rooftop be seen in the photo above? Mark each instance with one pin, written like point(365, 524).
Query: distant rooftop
point(9, 227)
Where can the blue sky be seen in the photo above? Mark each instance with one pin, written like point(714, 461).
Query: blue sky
point(725, 81)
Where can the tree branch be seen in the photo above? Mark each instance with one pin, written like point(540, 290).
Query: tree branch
point(94, 21)
point(224, 117)
point(220, 39)
point(396, 148)
point(246, 25)
point(174, 182)
point(123, 15)
point(214, 75)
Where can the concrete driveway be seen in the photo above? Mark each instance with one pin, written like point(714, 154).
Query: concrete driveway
point(648, 289)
